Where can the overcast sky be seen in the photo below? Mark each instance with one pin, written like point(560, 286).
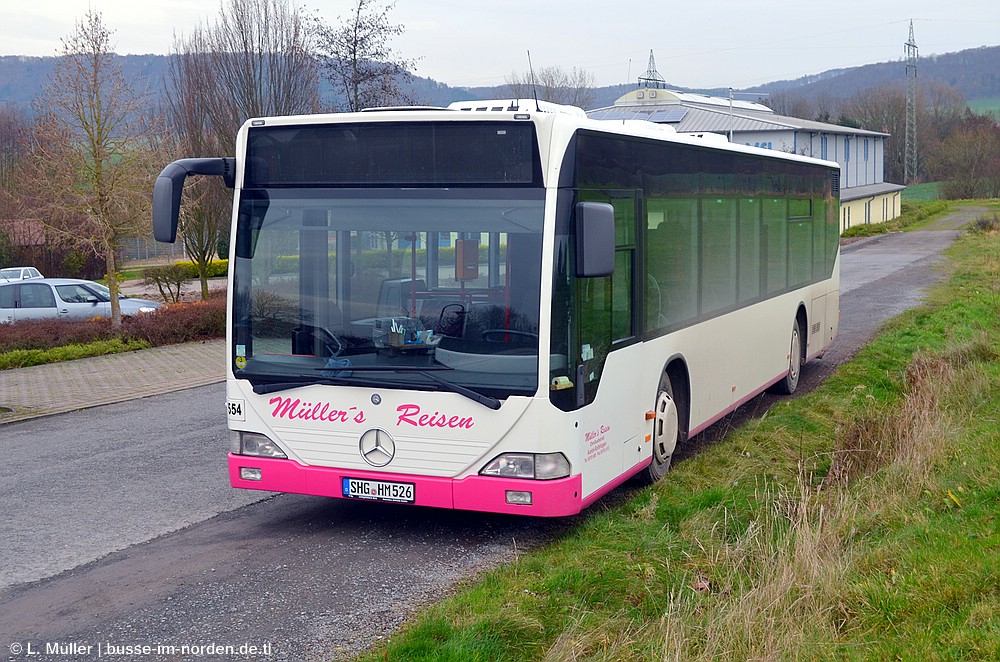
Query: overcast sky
point(697, 43)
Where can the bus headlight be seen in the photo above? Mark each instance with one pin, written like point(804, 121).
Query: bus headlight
point(252, 443)
point(537, 466)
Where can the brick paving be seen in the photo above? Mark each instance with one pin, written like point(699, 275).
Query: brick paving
point(71, 385)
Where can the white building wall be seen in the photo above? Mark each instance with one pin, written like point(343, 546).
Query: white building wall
point(779, 140)
point(860, 164)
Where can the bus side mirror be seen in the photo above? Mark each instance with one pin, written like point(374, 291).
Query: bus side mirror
point(595, 239)
point(170, 183)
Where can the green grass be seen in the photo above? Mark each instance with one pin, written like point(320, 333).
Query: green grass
point(922, 192)
point(858, 521)
point(985, 106)
point(132, 273)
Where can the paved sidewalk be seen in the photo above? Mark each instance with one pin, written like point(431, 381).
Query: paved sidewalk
point(60, 387)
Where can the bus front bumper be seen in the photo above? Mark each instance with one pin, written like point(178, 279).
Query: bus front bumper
point(541, 498)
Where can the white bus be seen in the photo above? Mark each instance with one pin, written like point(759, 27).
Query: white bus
point(505, 306)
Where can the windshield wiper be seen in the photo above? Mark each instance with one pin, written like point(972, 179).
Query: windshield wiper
point(484, 400)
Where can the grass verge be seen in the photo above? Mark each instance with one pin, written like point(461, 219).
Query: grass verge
point(913, 213)
point(922, 192)
point(23, 358)
point(858, 521)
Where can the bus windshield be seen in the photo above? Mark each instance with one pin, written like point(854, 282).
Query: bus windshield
point(417, 288)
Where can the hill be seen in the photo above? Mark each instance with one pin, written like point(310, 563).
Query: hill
point(22, 77)
point(974, 72)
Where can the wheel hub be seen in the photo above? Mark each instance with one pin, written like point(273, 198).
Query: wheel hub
point(665, 427)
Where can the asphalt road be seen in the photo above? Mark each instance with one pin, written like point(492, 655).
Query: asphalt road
point(119, 528)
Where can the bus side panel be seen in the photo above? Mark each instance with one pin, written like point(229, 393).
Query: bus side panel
point(816, 333)
point(613, 428)
point(832, 316)
point(733, 356)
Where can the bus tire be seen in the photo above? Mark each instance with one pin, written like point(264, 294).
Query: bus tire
point(790, 381)
point(667, 431)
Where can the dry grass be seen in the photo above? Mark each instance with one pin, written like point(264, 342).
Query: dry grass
point(907, 437)
point(773, 590)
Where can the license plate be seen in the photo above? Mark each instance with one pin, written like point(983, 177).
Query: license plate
point(378, 490)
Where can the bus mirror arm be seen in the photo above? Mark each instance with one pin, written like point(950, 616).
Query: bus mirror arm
point(170, 183)
point(595, 239)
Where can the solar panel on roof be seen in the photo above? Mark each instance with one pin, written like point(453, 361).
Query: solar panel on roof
point(657, 115)
point(670, 116)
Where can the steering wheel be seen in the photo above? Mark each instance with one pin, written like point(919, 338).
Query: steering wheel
point(507, 332)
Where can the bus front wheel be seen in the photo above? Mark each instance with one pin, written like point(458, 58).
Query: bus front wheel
point(666, 431)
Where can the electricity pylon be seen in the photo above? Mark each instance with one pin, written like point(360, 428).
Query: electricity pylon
point(910, 157)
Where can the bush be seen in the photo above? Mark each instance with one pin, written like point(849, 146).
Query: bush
point(182, 322)
point(217, 269)
point(911, 213)
point(23, 358)
point(46, 334)
point(989, 224)
point(168, 280)
point(73, 264)
point(174, 323)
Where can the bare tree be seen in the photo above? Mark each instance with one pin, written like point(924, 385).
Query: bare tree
point(881, 109)
point(257, 59)
point(940, 109)
point(261, 64)
point(825, 107)
point(790, 104)
point(204, 219)
point(88, 174)
point(968, 160)
point(13, 131)
point(574, 88)
point(358, 60)
point(13, 142)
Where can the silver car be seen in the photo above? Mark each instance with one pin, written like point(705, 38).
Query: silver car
point(19, 273)
point(63, 298)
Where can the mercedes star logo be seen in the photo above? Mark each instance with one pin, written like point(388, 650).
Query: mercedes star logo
point(377, 447)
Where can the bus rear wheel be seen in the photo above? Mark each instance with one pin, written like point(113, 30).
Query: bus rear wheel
point(666, 432)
